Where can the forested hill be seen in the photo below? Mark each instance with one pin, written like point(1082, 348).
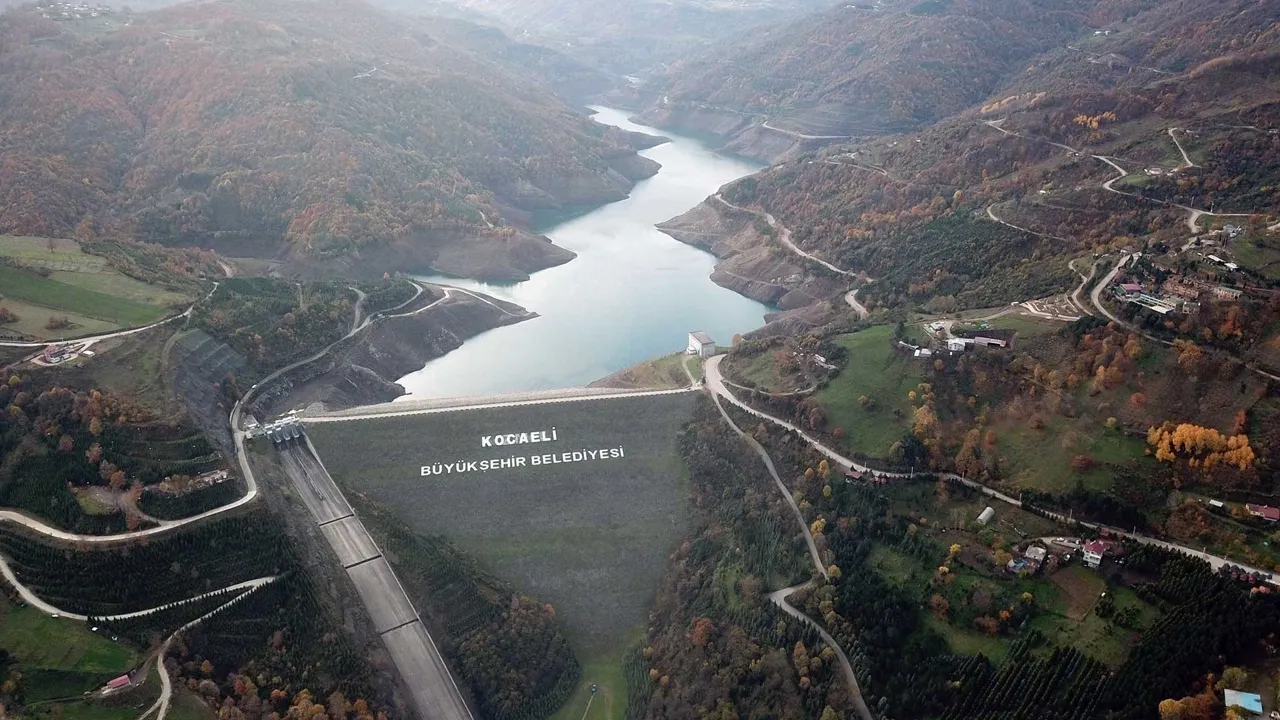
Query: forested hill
point(861, 68)
point(311, 131)
point(628, 36)
point(916, 211)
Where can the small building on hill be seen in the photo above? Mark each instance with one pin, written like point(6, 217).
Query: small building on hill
point(1266, 512)
point(991, 338)
point(701, 344)
point(986, 515)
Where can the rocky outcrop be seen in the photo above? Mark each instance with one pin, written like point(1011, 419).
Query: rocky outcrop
point(751, 262)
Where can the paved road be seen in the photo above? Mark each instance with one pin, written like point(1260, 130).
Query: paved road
point(358, 314)
point(779, 598)
point(433, 692)
point(715, 384)
point(773, 472)
point(161, 705)
point(1096, 296)
point(1084, 280)
point(802, 136)
point(851, 298)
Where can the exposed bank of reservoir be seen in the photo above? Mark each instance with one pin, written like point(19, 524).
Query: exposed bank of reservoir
point(632, 293)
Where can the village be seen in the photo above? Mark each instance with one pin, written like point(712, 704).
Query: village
point(1177, 280)
point(72, 11)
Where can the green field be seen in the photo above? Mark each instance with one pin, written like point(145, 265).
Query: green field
point(1093, 635)
point(127, 705)
point(762, 372)
point(591, 538)
point(59, 658)
point(875, 370)
point(1041, 459)
point(40, 641)
point(1263, 258)
point(604, 670)
point(84, 287)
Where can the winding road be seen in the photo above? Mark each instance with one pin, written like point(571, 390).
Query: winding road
point(779, 597)
point(851, 298)
point(784, 236)
point(1186, 161)
point(6, 515)
point(715, 384)
point(802, 136)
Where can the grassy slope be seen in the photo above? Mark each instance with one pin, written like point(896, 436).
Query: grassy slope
point(57, 657)
point(32, 319)
point(126, 706)
point(40, 641)
point(876, 371)
point(589, 538)
point(604, 670)
point(84, 287)
point(61, 296)
point(1041, 459)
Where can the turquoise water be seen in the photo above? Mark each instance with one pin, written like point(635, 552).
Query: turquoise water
point(630, 295)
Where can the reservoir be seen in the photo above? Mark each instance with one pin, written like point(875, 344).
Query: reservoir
point(632, 293)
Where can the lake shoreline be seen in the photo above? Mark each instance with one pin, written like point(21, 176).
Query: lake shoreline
point(631, 294)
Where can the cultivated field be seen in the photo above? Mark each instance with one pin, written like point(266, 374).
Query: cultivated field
point(55, 277)
point(590, 537)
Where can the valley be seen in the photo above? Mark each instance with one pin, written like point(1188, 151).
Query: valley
point(510, 361)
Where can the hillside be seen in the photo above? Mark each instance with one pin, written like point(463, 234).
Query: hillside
point(859, 69)
point(320, 133)
point(1028, 178)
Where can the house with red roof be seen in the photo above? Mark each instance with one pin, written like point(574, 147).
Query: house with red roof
point(1094, 551)
point(1266, 512)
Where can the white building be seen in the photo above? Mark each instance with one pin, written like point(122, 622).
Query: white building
point(701, 344)
point(958, 344)
point(986, 516)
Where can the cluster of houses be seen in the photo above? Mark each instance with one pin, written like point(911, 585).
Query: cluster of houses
point(72, 11)
point(1092, 552)
point(1176, 295)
